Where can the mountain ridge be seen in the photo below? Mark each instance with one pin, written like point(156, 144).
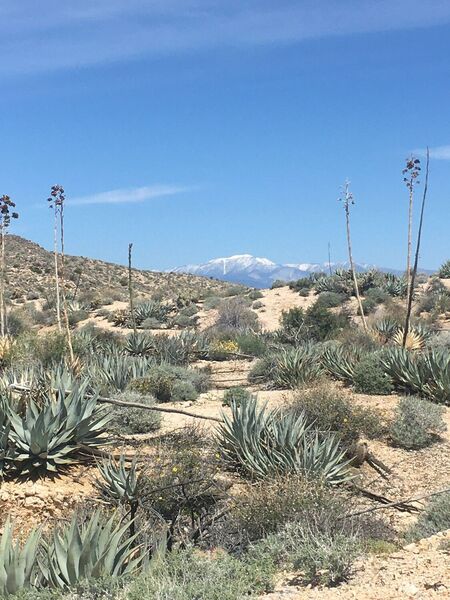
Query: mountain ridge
point(261, 272)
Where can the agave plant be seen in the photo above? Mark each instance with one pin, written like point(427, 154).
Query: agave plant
point(427, 373)
point(263, 442)
point(138, 344)
point(95, 549)
point(340, 363)
point(17, 563)
point(395, 286)
point(51, 435)
point(292, 367)
point(384, 329)
point(414, 341)
point(41, 439)
point(117, 482)
point(115, 371)
point(152, 310)
point(4, 437)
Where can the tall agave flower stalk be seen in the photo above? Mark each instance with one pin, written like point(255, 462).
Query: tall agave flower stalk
point(410, 177)
point(6, 214)
point(56, 202)
point(347, 199)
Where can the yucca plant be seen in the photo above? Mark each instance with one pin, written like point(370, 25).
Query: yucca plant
point(340, 363)
point(114, 371)
point(17, 563)
point(95, 549)
point(384, 329)
point(395, 286)
point(263, 442)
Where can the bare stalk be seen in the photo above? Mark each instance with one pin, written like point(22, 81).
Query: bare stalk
point(410, 177)
point(130, 288)
point(55, 252)
point(416, 259)
point(347, 199)
point(5, 219)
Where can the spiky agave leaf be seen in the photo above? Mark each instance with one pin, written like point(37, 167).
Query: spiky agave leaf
point(17, 563)
point(100, 547)
point(263, 442)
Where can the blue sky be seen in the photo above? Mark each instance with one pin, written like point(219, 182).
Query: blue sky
point(204, 128)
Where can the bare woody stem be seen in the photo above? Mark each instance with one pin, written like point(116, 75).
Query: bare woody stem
point(347, 199)
point(63, 286)
point(130, 288)
point(2, 283)
point(416, 259)
point(55, 252)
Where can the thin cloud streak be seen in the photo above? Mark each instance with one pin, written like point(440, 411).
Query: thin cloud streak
point(438, 152)
point(128, 195)
point(59, 36)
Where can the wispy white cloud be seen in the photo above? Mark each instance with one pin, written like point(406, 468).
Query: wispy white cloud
point(128, 195)
point(61, 35)
point(438, 152)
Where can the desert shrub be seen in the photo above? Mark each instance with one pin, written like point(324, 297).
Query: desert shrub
point(255, 294)
point(190, 575)
point(322, 549)
point(417, 423)
point(75, 316)
point(163, 383)
point(278, 283)
point(264, 507)
point(434, 519)
point(287, 368)
point(251, 344)
point(184, 321)
point(317, 323)
point(151, 323)
point(331, 299)
point(257, 305)
point(190, 310)
point(16, 323)
point(370, 377)
point(444, 271)
point(234, 314)
point(233, 290)
point(376, 294)
point(237, 395)
point(212, 302)
point(129, 420)
point(332, 409)
point(369, 306)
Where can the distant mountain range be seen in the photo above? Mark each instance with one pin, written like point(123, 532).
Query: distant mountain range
point(262, 272)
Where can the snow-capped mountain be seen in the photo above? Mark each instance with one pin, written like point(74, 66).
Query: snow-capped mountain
point(260, 272)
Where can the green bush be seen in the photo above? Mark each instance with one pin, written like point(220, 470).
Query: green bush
point(257, 305)
point(278, 283)
point(332, 409)
point(434, 519)
point(370, 378)
point(255, 295)
point(417, 423)
point(251, 344)
point(190, 575)
point(322, 551)
point(234, 314)
point(266, 506)
point(317, 323)
point(129, 420)
point(238, 395)
point(163, 382)
point(331, 299)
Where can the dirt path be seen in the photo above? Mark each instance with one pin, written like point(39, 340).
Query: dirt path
point(276, 301)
